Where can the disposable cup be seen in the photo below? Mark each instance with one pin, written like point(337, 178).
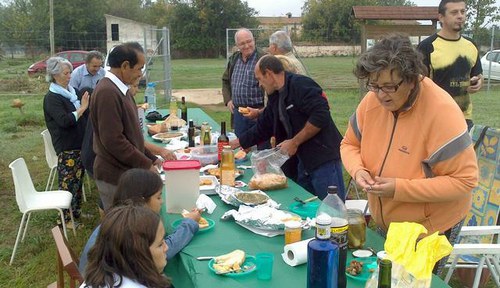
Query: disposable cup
point(264, 265)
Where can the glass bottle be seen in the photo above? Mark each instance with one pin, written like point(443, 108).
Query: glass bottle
point(207, 137)
point(223, 140)
point(191, 133)
point(204, 128)
point(322, 256)
point(384, 273)
point(184, 109)
point(227, 167)
point(173, 106)
point(335, 208)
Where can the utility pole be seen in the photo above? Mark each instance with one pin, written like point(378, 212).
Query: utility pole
point(51, 33)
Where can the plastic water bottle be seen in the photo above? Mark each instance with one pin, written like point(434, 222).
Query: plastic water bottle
point(150, 96)
point(322, 256)
point(335, 208)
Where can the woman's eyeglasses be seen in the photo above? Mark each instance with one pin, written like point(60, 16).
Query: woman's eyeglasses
point(385, 89)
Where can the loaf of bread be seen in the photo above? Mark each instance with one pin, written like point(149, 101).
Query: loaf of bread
point(268, 181)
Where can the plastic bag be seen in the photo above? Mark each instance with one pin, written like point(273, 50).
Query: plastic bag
point(267, 173)
point(412, 261)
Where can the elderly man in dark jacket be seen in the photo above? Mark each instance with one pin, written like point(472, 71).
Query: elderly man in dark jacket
point(298, 115)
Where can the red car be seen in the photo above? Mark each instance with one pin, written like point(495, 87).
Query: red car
point(76, 57)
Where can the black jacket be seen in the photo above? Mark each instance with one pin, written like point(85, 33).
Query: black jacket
point(66, 132)
point(300, 100)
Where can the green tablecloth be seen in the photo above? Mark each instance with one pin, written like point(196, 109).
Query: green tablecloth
point(227, 236)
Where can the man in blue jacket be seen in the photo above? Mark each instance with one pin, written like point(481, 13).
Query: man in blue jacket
point(298, 115)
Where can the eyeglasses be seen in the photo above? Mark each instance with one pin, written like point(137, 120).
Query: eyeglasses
point(385, 89)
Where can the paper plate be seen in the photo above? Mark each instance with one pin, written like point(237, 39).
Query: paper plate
point(305, 210)
point(369, 263)
point(211, 224)
point(249, 262)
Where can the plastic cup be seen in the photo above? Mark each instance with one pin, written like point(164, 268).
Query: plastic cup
point(264, 265)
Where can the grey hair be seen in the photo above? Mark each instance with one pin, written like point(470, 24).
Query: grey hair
point(94, 54)
point(281, 40)
point(394, 52)
point(55, 66)
point(239, 31)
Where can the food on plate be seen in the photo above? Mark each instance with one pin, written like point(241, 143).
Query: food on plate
point(243, 110)
point(204, 181)
point(216, 172)
point(156, 128)
point(356, 267)
point(291, 218)
point(230, 262)
point(240, 154)
point(167, 135)
point(268, 181)
point(203, 223)
point(252, 198)
point(173, 120)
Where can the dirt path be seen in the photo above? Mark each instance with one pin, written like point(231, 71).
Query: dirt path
point(206, 96)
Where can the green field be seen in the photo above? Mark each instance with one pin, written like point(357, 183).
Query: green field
point(35, 263)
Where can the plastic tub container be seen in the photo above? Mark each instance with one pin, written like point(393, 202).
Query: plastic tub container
point(182, 179)
point(205, 154)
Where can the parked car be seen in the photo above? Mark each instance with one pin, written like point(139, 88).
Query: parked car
point(492, 57)
point(76, 57)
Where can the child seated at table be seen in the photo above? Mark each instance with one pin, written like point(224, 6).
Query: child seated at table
point(129, 250)
point(144, 187)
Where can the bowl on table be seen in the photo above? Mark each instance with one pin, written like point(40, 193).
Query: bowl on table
point(205, 154)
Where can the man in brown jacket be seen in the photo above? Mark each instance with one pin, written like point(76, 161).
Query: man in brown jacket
point(118, 140)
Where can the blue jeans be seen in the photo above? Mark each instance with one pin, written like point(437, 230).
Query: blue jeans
point(243, 124)
point(318, 180)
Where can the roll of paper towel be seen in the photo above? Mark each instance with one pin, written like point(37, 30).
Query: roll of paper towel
point(296, 253)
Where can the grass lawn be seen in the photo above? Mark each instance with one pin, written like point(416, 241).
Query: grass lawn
point(35, 263)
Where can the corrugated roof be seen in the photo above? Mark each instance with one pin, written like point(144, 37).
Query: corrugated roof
point(395, 13)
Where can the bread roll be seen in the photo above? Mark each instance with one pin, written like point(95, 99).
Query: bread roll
point(243, 110)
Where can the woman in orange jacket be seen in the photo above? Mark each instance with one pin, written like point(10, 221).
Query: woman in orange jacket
point(407, 144)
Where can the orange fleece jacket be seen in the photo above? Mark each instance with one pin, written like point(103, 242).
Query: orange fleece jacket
point(431, 134)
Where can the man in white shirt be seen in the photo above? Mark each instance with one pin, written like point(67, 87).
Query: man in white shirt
point(87, 76)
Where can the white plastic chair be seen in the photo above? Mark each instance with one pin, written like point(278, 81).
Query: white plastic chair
point(30, 200)
point(51, 157)
point(488, 255)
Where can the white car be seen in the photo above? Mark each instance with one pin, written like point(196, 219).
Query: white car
point(492, 57)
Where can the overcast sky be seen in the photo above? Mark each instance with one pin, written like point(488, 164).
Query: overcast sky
point(281, 7)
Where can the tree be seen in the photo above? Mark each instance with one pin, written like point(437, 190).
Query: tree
point(198, 27)
point(480, 14)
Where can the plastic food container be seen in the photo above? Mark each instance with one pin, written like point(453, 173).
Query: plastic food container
point(182, 178)
point(205, 154)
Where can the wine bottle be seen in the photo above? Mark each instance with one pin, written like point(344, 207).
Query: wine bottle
point(223, 140)
point(191, 133)
point(384, 273)
point(184, 109)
